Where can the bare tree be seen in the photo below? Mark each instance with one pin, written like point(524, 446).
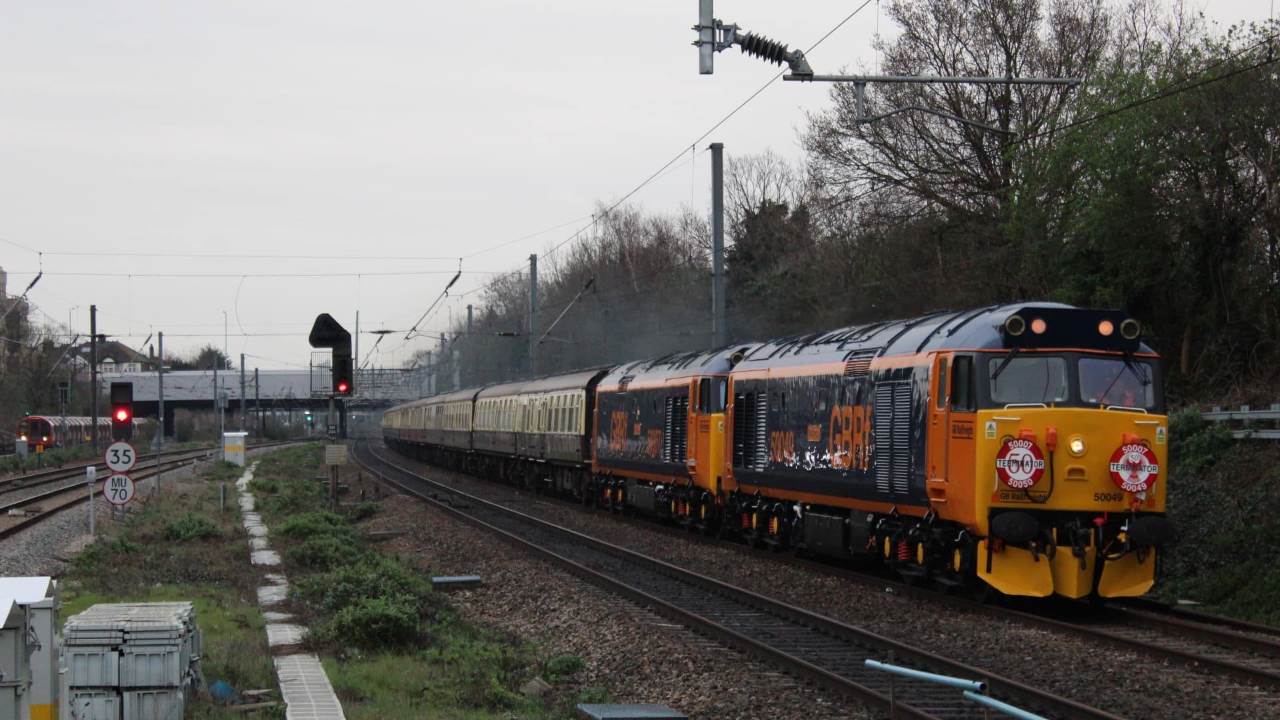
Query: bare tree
point(940, 163)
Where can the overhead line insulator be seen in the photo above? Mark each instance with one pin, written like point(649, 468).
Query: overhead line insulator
point(763, 48)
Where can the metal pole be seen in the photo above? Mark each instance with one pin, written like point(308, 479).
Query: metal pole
point(93, 377)
point(242, 393)
point(719, 331)
point(355, 365)
point(257, 405)
point(217, 400)
point(466, 376)
point(160, 393)
point(90, 476)
point(533, 314)
point(160, 406)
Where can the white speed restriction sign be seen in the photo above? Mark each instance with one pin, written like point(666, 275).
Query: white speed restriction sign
point(121, 457)
point(119, 489)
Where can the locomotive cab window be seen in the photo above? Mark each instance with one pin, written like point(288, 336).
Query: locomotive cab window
point(712, 394)
point(1027, 379)
point(1112, 381)
point(962, 384)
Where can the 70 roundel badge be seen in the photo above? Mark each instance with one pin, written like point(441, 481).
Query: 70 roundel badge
point(1134, 468)
point(1020, 464)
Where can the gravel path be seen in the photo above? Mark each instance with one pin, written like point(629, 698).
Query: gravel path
point(636, 655)
point(1121, 682)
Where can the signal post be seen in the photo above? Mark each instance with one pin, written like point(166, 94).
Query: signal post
point(120, 455)
point(328, 333)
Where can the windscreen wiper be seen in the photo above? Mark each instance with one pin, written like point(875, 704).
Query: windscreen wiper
point(1004, 363)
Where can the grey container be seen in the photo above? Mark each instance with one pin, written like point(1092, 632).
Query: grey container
point(93, 704)
point(152, 666)
point(89, 667)
point(157, 704)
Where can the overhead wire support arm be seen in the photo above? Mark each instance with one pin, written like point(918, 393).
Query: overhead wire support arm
point(566, 309)
point(954, 79)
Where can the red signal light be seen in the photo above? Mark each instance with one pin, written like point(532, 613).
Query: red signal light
point(343, 387)
point(122, 415)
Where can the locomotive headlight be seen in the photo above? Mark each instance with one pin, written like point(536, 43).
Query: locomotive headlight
point(1076, 445)
point(1015, 325)
point(1130, 329)
point(22, 438)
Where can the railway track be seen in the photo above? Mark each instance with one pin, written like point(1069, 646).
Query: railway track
point(16, 483)
point(811, 646)
point(69, 486)
point(1242, 651)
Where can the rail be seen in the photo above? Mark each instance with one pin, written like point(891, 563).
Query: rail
point(815, 647)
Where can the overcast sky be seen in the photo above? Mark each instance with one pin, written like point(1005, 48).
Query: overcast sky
point(394, 129)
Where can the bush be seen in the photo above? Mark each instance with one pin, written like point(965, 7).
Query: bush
point(1195, 444)
point(323, 552)
point(103, 550)
point(563, 667)
point(346, 585)
point(290, 498)
point(373, 624)
point(190, 527)
point(266, 487)
point(364, 510)
point(313, 524)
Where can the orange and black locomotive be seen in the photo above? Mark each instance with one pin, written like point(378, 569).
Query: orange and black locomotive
point(1016, 447)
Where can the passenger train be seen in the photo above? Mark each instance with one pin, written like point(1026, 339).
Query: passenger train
point(1019, 448)
point(44, 432)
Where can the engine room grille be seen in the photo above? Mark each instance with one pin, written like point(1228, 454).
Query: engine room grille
point(858, 364)
point(750, 431)
point(891, 436)
point(675, 430)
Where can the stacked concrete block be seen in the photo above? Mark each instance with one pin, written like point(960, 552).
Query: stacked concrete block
point(131, 661)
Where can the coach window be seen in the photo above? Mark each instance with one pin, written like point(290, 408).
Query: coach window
point(962, 381)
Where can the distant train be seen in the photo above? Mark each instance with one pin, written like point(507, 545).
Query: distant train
point(43, 432)
point(1015, 447)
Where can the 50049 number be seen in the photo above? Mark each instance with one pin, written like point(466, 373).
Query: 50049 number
point(1108, 497)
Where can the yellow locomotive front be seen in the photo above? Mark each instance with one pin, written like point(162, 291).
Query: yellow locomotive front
point(1070, 457)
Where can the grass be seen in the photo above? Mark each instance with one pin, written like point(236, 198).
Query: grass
point(391, 646)
point(464, 673)
point(184, 547)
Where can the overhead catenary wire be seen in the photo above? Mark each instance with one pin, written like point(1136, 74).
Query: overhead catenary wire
point(181, 275)
point(1188, 83)
point(597, 217)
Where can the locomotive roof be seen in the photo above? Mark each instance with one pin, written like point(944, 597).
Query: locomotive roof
point(677, 365)
point(974, 329)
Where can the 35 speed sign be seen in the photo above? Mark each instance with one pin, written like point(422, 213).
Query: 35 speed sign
point(121, 457)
